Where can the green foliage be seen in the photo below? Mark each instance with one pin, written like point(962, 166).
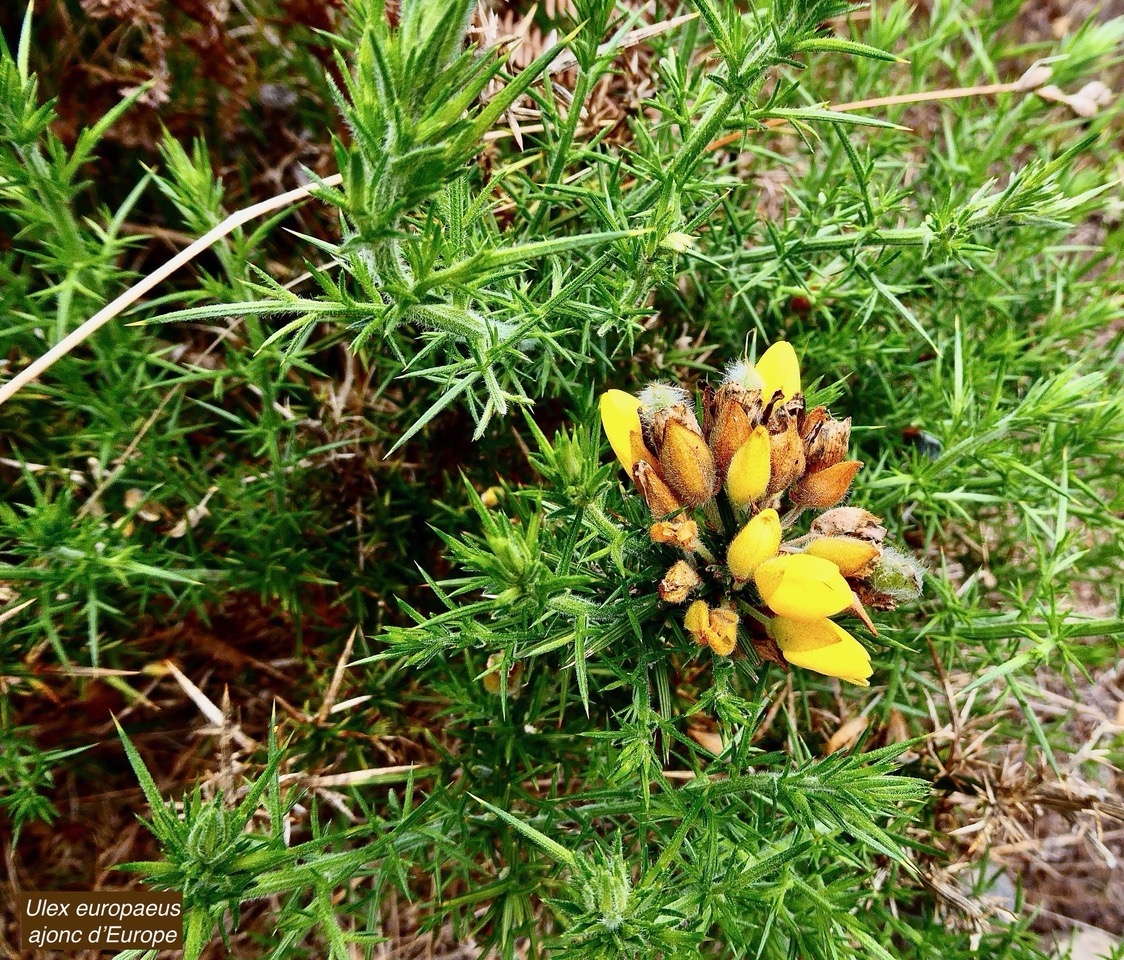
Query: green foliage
point(406, 381)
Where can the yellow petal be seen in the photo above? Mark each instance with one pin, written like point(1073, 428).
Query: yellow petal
point(620, 416)
point(757, 542)
point(849, 554)
point(802, 587)
point(822, 646)
point(779, 369)
point(748, 478)
point(697, 617)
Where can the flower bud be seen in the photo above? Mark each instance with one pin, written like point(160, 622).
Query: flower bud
point(822, 646)
point(748, 477)
point(209, 835)
point(743, 375)
point(687, 464)
point(853, 557)
point(801, 587)
point(758, 541)
point(850, 522)
point(493, 682)
point(723, 635)
point(717, 628)
point(678, 582)
point(827, 487)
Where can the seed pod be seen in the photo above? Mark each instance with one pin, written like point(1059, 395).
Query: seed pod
point(678, 582)
point(826, 488)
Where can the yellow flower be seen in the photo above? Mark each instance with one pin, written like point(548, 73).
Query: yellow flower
point(801, 587)
point(822, 646)
point(779, 369)
point(758, 541)
point(748, 477)
point(620, 417)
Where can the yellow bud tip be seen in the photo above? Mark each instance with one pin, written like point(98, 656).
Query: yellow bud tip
point(822, 646)
point(748, 477)
point(620, 418)
point(801, 587)
point(697, 619)
point(758, 541)
point(852, 556)
point(779, 369)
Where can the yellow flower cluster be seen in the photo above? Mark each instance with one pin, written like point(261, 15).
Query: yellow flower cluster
point(716, 490)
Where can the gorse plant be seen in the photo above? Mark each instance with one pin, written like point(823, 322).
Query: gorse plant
point(355, 469)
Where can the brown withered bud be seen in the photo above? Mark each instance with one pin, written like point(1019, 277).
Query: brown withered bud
point(682, 533)
point(826, 444)
point(678, 582)
point(825, 488)
point(661, 501)
point(687, 463)
point(731, 424)
point(812, 419)
point(850, 522)
point(777, 414)
point(786, 458)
